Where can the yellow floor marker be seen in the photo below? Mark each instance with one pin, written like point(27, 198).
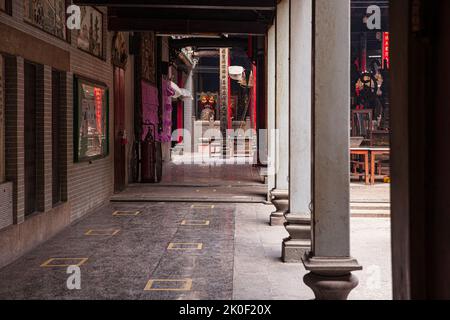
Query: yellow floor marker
point(169, 285)
point(126, 213)
point(64, 262)
point(202, 206)
point(97, 232)
point(185, 246)
point(195, 223)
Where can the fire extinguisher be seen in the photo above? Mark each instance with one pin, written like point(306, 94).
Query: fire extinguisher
point(123, 137)
point(158, 161)
point(148, 156)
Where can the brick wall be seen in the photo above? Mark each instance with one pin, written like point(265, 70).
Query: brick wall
point(44, 138)
point(92, 183)
point(66, 131)
point(14, 134)
point(2, 120)
point(85, 185)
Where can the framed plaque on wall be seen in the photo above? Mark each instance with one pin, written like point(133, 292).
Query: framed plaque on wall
point(91, 120)
point(90, 36)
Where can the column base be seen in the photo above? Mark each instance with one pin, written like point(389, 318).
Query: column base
point(277, 219)
point(299, 242)
point(331, 278)
point(292, 251)
point(280, 199)
point(331, 288)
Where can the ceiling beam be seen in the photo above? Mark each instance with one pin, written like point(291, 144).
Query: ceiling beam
point(209, 43)
point(254, 5)
point(191, 14)
point(179, 26)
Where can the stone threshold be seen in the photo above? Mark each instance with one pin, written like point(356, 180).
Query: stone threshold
point(187, 200)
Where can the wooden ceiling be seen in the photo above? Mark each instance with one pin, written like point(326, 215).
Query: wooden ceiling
point(233, 17)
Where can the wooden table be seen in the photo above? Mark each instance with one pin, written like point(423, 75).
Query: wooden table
point(370, 154)
point(365, 152)
point(374, 152)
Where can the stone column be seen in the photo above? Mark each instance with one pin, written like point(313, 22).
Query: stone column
point(298, 219)
point(188, 106)
point(330, 263)
point(279, 195)
point(271, 77)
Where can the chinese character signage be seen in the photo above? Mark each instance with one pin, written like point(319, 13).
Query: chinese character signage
point(224, 90)
point(91, 121)
point(386, 59)
point(48, 15)
point(90, 36)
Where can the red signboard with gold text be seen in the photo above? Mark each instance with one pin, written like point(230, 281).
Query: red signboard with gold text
point(386, 50)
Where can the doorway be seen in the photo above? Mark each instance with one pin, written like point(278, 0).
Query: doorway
point(119, 129)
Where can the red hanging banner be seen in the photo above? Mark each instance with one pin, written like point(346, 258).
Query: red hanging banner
point(386, 59)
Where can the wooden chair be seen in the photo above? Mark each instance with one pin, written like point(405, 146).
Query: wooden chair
point(362, 125)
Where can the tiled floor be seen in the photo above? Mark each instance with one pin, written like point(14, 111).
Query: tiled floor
point(187, 250)
point(260, 274)
point(225, 252)
point(121, 264)
point(213, 181)
point(213, 172)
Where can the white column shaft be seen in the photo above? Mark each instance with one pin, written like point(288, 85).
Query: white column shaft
point(331, 129)
point(282, 94)
point(188, 106)
point(271, 76)
point(300, 107)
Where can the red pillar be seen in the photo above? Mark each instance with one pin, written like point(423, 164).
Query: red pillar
point(255, 97)
point(230, 124)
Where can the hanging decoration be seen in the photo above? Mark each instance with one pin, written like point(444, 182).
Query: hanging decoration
point(119, 54)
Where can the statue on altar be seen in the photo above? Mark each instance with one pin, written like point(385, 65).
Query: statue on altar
point(207, 106)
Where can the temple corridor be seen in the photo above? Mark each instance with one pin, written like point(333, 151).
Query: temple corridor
point(224, 150)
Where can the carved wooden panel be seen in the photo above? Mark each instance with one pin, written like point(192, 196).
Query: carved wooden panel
point(90, 37)
point(48, 15)
point(148, 61)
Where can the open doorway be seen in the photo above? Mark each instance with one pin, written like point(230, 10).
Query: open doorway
point(370, 146)
point(214, 105)
point(201, 109)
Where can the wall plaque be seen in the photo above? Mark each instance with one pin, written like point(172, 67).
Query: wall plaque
point(90, 36)
point(91, 136)
point(48, 15)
